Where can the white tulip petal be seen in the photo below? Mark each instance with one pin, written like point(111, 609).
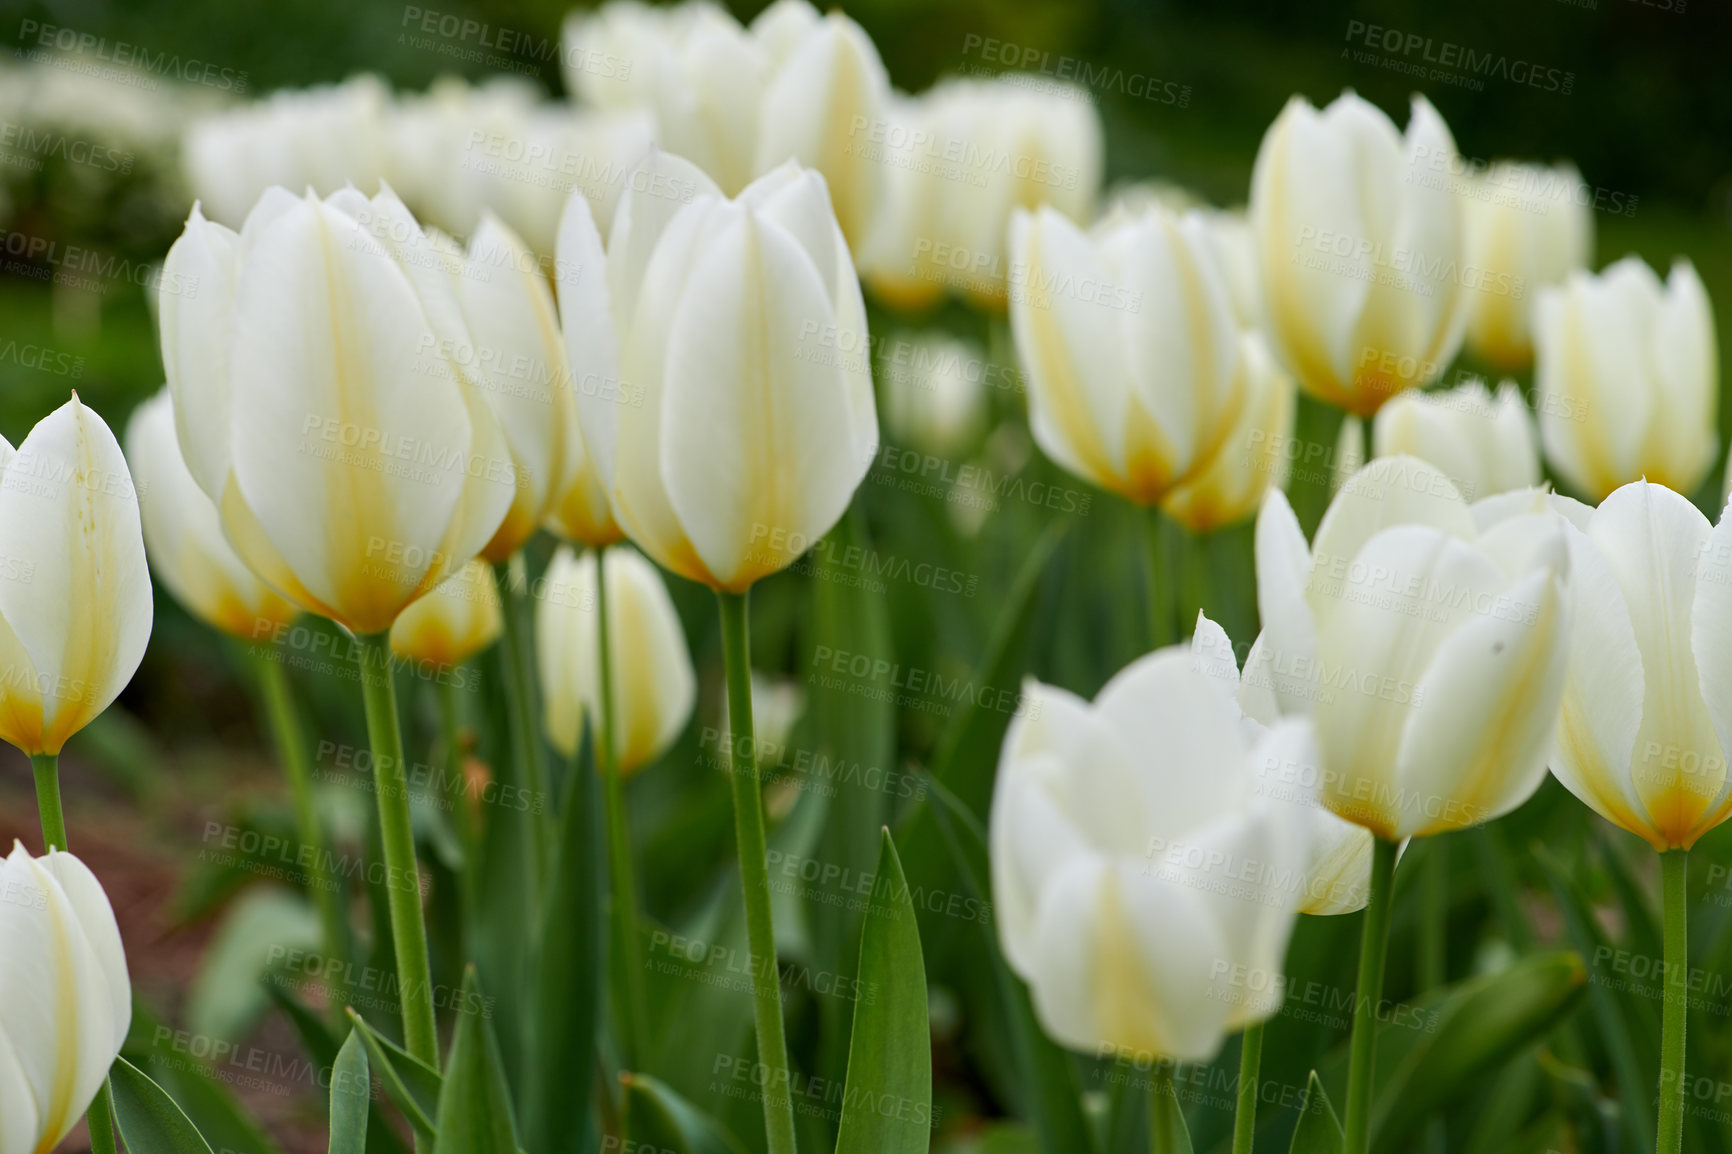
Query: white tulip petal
point(95, 917)
point(195, 305)
point(591, 340)
point(1031, 837)
point(656, 190)
point(1289, 638)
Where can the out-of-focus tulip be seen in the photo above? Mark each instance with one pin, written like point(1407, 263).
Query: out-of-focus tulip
point(1360, 260)
point(455, 621)
point(65, 997)
point(1526, 227)
point(1629, 372)
point(740, 440)
point(1647, 710)
point(1135, 869)
point(1485, 446)
point(1130, 347)
point(1236, 252)
point(354, 468)
point(962, 158)
point(777, 704)
point(1428, 640)
point(1254, 454)
point(75, 601)
point(654, 687)
point(934, 392)
point(184, 536)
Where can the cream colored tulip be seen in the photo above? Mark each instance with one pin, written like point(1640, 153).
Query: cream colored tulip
point(1236, 252)
point(75, 600)
point(1629, 376)
point(1647, 709)
point(654, 687)
point(1485, 446)
point(454, 622)
point(777, 704)
point(1527, 227)
point(1142, 887)
point(353, 466)
point(1254, 455)
point(1428, 639)
point(65, 997)
point(934, 393)
point(1130, 347)
point(1359, 257)
point(732, 444)
point(184, 536)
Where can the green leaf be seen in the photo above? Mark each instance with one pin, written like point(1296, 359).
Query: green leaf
point(210, 1104)
point(413, 1087)
point(658, 1119)
point(227, 995)
point(1319, 1130)
point(149, 1120)
point(887, 1099)
point(1167, 1121)
point(475, 1106)
point(351, 1097)
point(321, 1045)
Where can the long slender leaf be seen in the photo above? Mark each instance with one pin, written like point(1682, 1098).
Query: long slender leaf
point(413, 1087)
point(1167, 1120)
point(660, 1120)
point(321, 1045)
point(1319, 1130)
point(351, 1095)
point(149, 1120)
point(475, 1115)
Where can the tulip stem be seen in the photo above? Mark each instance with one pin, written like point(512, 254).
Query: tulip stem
point(755, 875)
point(1165, 1117)
point(1250, 1061)
point(520, 703)
point(1674, 873)
point(633, 1011)
point(1161, 574)
point(47, 768)
point(397, 834)
point(1373, 949)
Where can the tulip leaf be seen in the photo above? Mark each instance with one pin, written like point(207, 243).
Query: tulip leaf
point(475, 1115)
point(887, 1099)
point(321, 1045)
point(1319, 1130)
point(413, 1087)
point(658, 1119)
point(150, 1122)
point(1168, 1132)
point(351, 1097)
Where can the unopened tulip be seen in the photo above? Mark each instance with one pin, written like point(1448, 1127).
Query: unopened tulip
point(457, 620)
point(934, 393)
point(65, 997)
point(184, 536)
point(1428, 640)
point(1135, 868)
point(654, 687)
point(1129, 345)
point(1236, 251)
point(1485, 446)
point(353, 467)
point(1253, 456)
point(75, 600)
point(777, 704)
point(739, 443)
point(1359, 258)
point(1629, 373)
point(1527, 227)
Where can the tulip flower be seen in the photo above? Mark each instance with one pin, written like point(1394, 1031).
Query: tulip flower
point(1359, 256)
point(1236, 253)
point(1484, 446)
point(1525, 227)
point(65, 997)
point(1629, 375)
point(934, 393)
point(1251, 458)
point(457, 620)
point(777, 704)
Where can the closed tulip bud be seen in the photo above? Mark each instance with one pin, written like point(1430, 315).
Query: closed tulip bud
point(65, 997)
point(454, 622)
point(184, 536)
point(1629, 373)
point(737, 438)
point(1251, 458)
point(654, 687)
point(1236, 253)
point(1142, 887)
point(781, 27)
point(353, 465)
point(75, 600)
point(777, 704)
point(935, 393)
point(1132, 352)
point(1485, 446)
point(1647, 709)
point(1526, 227)
point(1359, 254)
point(1427, 639)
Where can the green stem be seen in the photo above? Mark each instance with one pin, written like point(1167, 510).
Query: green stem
point(1674, 873)
point(1162, 1103)
point(520, 703)
point(1373, 948)
point(457, 797)
point(1160, 575)
point(101, 1122)
point(1250, 1061)
point(47, 768)
point(633, 1014)
point(755, 877)
point(397, 835)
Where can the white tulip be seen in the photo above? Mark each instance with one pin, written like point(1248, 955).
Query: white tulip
point(65, 997)
point(1135, 869)
point(1253, 457)
point(1359, 256)
point(1428, 640)
point(75, 600)
point(777, 704)
point(1483, 445)
point(1526, 227)
point(935, 393)
point(448, 626)
point(1629, 374)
